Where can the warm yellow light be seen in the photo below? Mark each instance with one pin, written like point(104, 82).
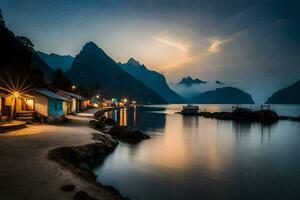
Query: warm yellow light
point(125, 100)
point(73, 87)
point(16, 94)
point(97, 96)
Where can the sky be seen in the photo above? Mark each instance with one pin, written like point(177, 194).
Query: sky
point(250, 44)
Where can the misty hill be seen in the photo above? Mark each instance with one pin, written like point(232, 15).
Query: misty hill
point(288, 95)
point(18, 59)
point(56, 61)
point(219, 82)
point(225, 95)
point(153, 80)
point(189, 81)
point(96, 71)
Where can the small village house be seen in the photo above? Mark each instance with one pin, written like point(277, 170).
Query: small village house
point(76, 103)
point(49, 104)
point(14, 104)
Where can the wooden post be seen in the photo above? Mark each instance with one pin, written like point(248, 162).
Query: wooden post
point(15, 109)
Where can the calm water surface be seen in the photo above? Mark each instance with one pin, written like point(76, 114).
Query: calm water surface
point(196, 158)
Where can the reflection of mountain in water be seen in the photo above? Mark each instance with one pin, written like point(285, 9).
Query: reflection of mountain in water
point(144, 118)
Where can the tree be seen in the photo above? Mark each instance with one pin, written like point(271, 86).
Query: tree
point(1, 19)
point(26, 42)
point(60, 81)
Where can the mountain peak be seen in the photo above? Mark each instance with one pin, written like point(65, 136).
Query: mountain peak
point(189, 81)
point(133, 62)
point(90, 45)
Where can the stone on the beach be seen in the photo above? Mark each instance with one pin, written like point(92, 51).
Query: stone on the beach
point(82, 195)
point(127, 134)
point(96, 124)
point(68, 188)
point(106, 139)
point(110, 121)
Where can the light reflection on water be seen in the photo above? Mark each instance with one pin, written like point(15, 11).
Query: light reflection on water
point(197, 158)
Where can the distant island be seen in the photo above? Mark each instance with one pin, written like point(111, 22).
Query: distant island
point(225, 95)
point(189, 81)
point(153, 80)
point(288, 95)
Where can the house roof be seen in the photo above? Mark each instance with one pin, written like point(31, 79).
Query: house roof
point(49, 94)
point(76, 96)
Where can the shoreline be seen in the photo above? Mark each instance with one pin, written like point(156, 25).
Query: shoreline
point(25, 157)
point(80, 160)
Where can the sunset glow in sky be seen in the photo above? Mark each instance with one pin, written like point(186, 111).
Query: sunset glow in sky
point(245, 43)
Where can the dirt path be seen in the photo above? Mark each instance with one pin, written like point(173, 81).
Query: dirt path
point(27, 174)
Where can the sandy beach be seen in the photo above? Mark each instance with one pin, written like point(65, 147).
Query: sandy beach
point(27, 173)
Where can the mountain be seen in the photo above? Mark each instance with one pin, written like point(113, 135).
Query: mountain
point(56, 61)
point(225, 95)
point(288, 95)
point(219, 82)
point(189, 81)
point(95, 70)
point(153, 80)
point(19, 61)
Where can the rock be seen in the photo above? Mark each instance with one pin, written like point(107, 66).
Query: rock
point(127, 134)
point(80, 154)
point(96, 124)
point(84, 166)
point(112, 190)
point(110, 121)
point(82, 195)
point(106, 139)
point(68, 188)
point(243, 114)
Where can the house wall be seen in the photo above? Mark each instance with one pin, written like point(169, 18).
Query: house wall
point(67, 107)
point(56, 110)
point(41, 104)
point(10, 101)
point(74, 105)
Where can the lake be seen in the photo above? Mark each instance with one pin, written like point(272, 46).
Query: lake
point(196, 158)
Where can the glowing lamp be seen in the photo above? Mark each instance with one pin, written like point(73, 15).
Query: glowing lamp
point(16, 94)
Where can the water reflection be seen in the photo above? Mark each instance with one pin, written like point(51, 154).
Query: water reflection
point(198, 158)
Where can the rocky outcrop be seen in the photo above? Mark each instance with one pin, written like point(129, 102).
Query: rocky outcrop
point(81, 159)
point(122, 133)
point(242, 114)
point(127, 134)
point(111, 127)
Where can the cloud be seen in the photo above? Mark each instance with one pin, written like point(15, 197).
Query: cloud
point(215, 45)
point(182, 45)
point(165, 38)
